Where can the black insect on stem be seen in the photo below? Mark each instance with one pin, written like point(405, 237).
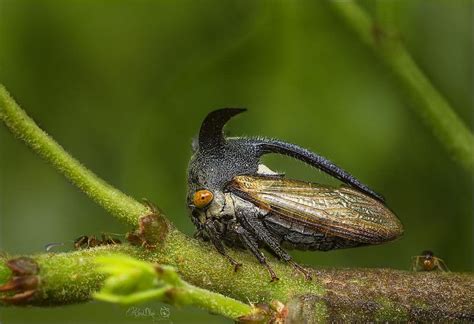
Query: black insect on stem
point(237, 201)
point(85, 241)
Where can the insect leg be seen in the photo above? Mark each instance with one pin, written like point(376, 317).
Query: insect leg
point(48, 247)
point(253, 224)
point(442, 265)
point(107, 239)
point(199, 234)
point(216, 241)
point(250, 243)
point(80, 242)
point(92, 241)
point(415, 263)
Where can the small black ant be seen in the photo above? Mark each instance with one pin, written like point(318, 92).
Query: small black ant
point(85, 242)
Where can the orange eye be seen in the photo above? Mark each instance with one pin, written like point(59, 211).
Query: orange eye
point(202, 198)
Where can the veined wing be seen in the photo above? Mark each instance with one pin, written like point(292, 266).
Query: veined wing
point(342, 212)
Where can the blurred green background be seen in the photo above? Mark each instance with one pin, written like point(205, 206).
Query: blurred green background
point(124, 86)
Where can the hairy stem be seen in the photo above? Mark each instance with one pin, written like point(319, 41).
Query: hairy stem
point(427, 101)
point(334, 294)
point(23, 127)
point(213, 302)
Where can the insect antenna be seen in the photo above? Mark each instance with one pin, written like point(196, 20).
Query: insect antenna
point(50, 246)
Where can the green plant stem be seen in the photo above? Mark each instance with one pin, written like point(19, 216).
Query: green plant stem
point(428, 102)
point(23, 127)
point(213, 302)
point(334, 294)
